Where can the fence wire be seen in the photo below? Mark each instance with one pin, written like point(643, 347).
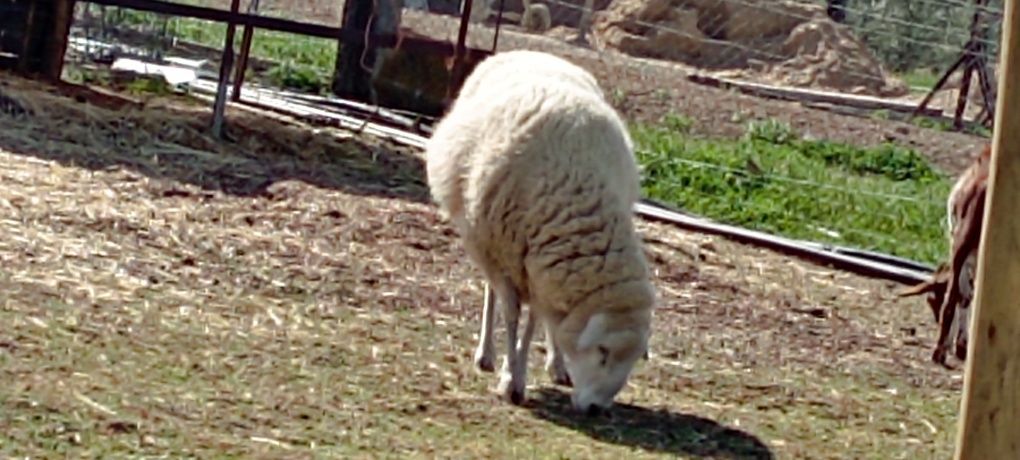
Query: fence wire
point(854, 180)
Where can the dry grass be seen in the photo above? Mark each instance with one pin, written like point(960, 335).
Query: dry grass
point(293, 294)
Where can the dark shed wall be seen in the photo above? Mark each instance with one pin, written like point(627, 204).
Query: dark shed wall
point(12, 31)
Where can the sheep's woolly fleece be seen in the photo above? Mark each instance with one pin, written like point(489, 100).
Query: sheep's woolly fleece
point(558, 225)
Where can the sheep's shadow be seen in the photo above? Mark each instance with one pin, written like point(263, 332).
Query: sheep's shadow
point(658, 431)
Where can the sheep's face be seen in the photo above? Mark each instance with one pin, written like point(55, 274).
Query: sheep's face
point(602, 359)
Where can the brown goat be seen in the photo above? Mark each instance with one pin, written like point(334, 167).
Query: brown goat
point(951, 288)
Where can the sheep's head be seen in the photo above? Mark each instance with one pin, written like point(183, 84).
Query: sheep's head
point(603, 357)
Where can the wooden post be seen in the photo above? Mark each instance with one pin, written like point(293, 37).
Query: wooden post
point(47, 26)
point(242, 59)
point(973, 61)
point(226, 63)
point(458, 73)
point(499, 22)
point(56, 45)
point(350, 79)
point(989, 423)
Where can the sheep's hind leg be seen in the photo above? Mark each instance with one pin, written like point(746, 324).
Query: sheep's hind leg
point(524, 343)
point(514, 375)
point(485, 352)
point(554, 359)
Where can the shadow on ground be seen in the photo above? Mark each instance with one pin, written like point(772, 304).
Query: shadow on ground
point(656, 431)
point(172, 142)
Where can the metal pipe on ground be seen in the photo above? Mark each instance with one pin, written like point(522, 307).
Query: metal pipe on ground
point(808, 251)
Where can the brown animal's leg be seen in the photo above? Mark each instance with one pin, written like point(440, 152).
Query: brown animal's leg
point(967, 280)
point(934, 287)
point(962, 247)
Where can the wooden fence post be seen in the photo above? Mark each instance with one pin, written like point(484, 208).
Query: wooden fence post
point(226, 63)
point(989, 423)
point(56, 43)
point(350, 79)
point(47, 24)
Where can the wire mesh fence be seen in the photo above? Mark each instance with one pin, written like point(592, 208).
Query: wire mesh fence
point(826, 151)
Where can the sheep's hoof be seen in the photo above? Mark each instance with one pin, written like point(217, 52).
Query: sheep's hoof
point(485, 363)
point(559, 375)
point(511, 393)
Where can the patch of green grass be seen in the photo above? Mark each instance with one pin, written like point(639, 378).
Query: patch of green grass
point(303, 63)
point(919, 78)
point(886, 198)
point(973, 129)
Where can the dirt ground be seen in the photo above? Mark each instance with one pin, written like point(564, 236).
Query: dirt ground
point(294, 294)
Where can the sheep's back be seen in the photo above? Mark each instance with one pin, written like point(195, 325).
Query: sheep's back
point(550, 191)
point(509, 68)
point(477, 113)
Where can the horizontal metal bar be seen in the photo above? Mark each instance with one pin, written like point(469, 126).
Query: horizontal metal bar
point(224, 16)
point(410, 43)
point(875, 269)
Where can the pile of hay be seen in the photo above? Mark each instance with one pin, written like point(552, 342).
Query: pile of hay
point(785, 42)
point(170, 136)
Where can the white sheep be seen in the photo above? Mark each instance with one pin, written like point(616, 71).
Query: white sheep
point(493, 72)
point(537, 173)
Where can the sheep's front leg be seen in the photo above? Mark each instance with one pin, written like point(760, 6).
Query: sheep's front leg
point(554, 359)
point(485, 352)
point(514, 374)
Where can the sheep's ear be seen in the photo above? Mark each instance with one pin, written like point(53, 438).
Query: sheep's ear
point(593, 331)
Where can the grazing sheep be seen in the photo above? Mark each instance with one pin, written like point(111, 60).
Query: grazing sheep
point(541, 65)
point(537, 173)
point(951, 288)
